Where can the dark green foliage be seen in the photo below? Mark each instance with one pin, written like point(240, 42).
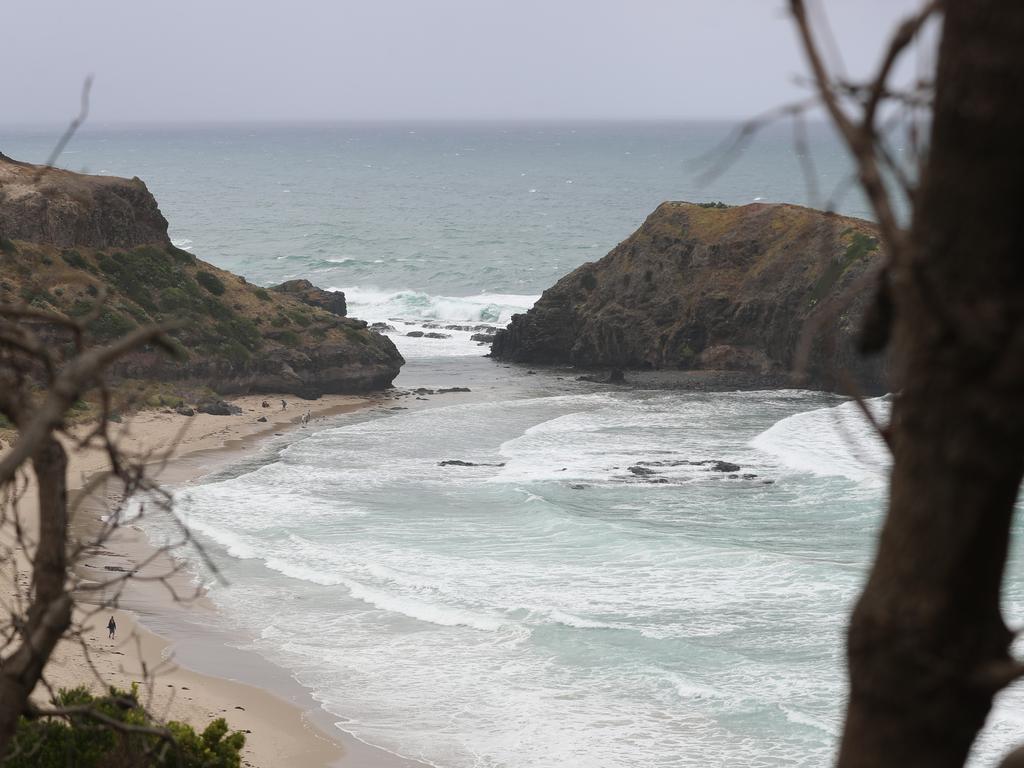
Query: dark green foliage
point(79, 308)
point(141, 273)
point(588, 281)
point(301, 318)
point(359, 337)
point(210, 282)
point(37, 296)
point(7, 246)
point(860, 246)
point(84, 742)
point(110, 325)
point(76, 260)
point(180, 256)
point(280, 321)
point(715, 204)
point(288, 338)
point(262, 294)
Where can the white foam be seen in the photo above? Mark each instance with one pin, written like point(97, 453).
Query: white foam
point(420, 610)
point(376, 304)
point(830, 442)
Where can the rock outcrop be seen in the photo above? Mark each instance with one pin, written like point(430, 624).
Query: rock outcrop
point(67, 238)
point(307, 293)
point(708, 288)
point(60, 208)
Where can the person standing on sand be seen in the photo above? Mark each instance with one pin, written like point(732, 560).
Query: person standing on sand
point(283, 405)
point(112, 626)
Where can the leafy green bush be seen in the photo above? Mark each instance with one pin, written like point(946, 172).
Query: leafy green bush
point(7, 246)
point(210, 282)
point(75, 259)
point(262, 294)
point(110, 325)
point(85, 742)
point(715, 204)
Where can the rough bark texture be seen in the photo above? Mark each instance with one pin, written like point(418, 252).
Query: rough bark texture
point(50, 612)
point(928, 646)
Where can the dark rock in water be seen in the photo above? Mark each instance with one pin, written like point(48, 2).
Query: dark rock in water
point(262, 419)
point(219, 408)
point(658, 480)
point(531, 372)
point(434, 335)
point(734, 477)
point(748, 476)
point(768, 482)
point(415, 334)
point(460, 463)
point(617, 376)
point(448, 390)
point(307, 293)
point(577, 486)
point(483, 338)
point(381, 327)
point(714, 290)
point(722, 466)
point(641, 471)
point(184, 410)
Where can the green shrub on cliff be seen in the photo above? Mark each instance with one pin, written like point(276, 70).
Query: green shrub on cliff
point(85, 741)
point(210, 282)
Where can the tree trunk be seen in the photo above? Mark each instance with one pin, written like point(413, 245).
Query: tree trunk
point(928, 647)
point(49, 613)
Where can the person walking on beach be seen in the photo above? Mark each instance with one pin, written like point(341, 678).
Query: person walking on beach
point(305, 418)
point(283, 405)
point(112, 626)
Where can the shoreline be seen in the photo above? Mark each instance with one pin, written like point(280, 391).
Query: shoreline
point(197, 671)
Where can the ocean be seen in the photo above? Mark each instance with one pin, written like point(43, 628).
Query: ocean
point(548, 605)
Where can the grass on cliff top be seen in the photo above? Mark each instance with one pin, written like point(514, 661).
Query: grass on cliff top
point(222, 314)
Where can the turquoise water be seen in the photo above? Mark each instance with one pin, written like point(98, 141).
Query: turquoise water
point(549, 607)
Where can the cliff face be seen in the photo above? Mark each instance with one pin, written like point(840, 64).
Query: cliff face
point(712, 289)
point(65, 238)
point(66, 209)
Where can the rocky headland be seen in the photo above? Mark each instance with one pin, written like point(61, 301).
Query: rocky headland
point(69, 240)
point(749, 294)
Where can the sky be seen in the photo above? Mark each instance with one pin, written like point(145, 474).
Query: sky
point(304, 60)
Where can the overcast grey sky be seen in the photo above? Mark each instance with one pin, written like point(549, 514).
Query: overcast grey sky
point(211, 60)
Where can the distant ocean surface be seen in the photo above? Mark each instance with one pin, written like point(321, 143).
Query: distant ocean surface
point(547, 607)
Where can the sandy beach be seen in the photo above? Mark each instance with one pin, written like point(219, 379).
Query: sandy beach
point(282, 723)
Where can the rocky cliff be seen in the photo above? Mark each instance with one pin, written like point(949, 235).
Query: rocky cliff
point(66, 239)
point(713, 288)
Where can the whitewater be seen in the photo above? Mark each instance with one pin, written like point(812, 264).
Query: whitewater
point(550, 605)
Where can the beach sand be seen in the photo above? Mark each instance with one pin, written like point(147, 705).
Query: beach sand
point(283, 724)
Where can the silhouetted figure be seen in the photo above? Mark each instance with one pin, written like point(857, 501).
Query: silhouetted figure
point(112, 626)
point(266, 404)
point(283, 405)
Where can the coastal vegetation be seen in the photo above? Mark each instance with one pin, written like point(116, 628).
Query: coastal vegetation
point(115, 731)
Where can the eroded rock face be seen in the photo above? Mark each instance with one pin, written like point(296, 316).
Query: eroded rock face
point(61, 208)
point(716, 289)
point(64, 235)
point(306, 292)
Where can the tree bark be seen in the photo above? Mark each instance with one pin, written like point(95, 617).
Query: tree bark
point(49, 613)
point(928, 647)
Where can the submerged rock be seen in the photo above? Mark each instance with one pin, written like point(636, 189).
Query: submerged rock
point(460, 463)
